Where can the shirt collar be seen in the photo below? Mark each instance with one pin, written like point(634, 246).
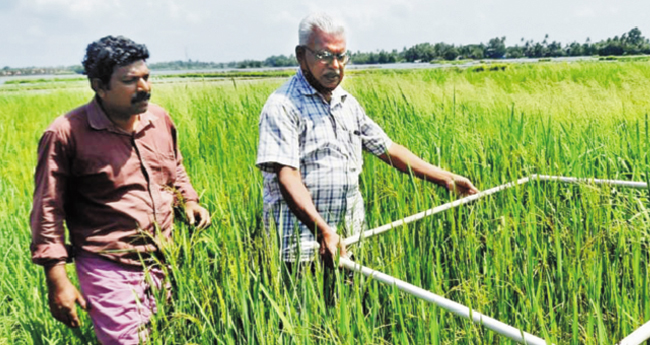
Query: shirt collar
point(339, 95)
point(98, 120)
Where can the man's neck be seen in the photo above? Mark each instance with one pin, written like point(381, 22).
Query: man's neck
point(327, 96)
point(127, 124)
point(323, 91)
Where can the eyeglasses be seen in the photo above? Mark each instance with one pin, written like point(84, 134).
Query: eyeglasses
point(326, 57)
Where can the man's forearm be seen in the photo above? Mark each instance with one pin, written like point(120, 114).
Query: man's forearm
point(299, 200)
point(405, 161)
point(62, 296)
point(56, 275)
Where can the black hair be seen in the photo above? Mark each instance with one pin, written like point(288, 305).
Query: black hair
point(103, 55)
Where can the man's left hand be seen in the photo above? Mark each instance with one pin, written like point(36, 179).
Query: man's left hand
point(197, 215)
point(461, 186)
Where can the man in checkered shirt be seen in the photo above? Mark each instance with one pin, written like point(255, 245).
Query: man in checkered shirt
point(311, 136)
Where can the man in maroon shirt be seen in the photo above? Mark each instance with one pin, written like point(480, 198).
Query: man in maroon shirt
point(112, 171)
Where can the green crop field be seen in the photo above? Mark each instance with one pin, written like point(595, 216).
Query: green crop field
point(568, 263)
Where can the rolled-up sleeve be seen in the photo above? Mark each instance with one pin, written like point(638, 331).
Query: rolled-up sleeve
point(48, 214)
point(278, 143)
point(183, 182)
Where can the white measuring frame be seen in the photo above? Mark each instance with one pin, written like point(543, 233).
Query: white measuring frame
point(635, 338)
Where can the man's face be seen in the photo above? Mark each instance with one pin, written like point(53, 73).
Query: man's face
point(128, 91)
point(328, 74)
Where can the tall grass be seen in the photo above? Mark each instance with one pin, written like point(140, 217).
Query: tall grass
point(568, 263)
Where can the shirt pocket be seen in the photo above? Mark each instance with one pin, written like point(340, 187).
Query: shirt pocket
point(159, 156)
point(356, 148)
point(349, 138)
point(163, 168)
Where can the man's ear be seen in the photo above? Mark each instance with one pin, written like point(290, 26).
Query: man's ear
point(300, 53)
point(98, 86)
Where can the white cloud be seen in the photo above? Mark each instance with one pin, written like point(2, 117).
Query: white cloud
point(70, 7)
point(585, 12)
point(43, 32)
point(614, 10)
point(185, 11)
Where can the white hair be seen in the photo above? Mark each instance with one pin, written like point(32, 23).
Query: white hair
point(318, 21)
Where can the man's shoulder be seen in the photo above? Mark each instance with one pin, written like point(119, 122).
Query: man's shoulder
point(159, 113)
point(71, 121)
point(290, 91)
point(157, 110)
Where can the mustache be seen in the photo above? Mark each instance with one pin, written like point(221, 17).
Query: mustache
point(332, 75)
point(140, 96)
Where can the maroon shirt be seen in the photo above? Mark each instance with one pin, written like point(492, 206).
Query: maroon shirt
point(112, 188)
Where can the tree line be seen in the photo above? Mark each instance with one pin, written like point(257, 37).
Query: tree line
point(272, 61)
point(629, 43)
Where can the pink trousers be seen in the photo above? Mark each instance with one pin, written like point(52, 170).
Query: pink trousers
point(120, 298)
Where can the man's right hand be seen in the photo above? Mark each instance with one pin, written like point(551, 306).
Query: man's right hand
point(330, 242)
point(63, 296)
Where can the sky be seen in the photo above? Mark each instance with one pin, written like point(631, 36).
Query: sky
point(56, 32)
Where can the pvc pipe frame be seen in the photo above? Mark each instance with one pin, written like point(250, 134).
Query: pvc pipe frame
point(449, 305)
point(635, 338)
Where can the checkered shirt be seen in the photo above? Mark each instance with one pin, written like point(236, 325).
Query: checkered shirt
point(298, 128)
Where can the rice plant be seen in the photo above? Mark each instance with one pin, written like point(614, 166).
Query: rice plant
point(568, 263)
